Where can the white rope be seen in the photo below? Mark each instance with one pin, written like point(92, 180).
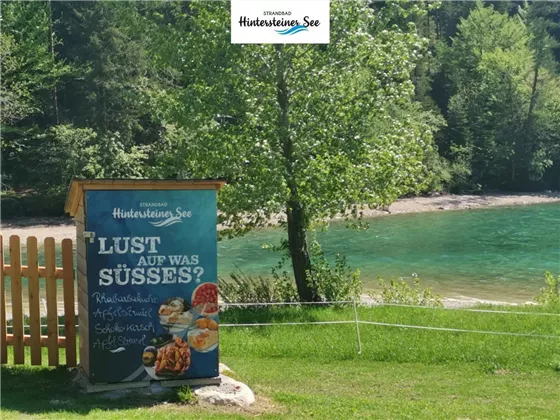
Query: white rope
point(267, 324)
point(284, 303)
point(466, 309)
point(383, 324)
point(377, 304)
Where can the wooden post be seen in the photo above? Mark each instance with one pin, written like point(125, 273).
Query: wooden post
point(3, 329)
point(52, 310)
point(17, 304)
point(69, 308)
point(34, 311)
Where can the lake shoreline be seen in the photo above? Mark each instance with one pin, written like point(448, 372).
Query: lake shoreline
point(63, 227)
point(444, 202)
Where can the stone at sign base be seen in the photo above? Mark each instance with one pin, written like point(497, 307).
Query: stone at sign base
point(228, 392)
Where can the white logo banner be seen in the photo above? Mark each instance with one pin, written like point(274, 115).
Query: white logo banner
point(280, 21)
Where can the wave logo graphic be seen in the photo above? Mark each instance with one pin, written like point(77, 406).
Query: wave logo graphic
point(167, 222)
point(293, 30)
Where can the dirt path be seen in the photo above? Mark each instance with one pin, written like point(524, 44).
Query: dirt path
point(63, 227)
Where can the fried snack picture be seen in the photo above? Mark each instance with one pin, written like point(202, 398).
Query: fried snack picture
point(206, 323)
point(173, 359)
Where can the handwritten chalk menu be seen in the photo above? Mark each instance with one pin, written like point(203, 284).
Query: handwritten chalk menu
point(152, 285)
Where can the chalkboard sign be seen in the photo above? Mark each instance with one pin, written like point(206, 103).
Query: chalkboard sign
point(152, 294)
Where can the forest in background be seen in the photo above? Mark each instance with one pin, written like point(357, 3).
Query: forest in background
point(112, 89)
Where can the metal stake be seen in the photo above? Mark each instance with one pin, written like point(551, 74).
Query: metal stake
point(357, 328)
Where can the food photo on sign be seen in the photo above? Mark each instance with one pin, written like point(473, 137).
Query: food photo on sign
point(152, 280)
point(169, 355)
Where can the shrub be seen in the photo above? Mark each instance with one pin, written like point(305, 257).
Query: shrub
point(336, 283)
point(550, 294)
point(400, 292)
point(242, 288)
point(332, 283)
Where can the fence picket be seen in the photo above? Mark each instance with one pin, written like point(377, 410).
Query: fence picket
point(69, 308)
point(52, 309)
point(17, 300)
point(34, 308)
point(3, 329)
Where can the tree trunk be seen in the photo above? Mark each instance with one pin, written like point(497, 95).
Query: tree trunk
point(533, 95)
point(521, 150)
point(295, 210)
point(297, 243)
point(54, 93)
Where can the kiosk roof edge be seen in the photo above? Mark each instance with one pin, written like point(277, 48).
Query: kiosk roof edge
point(79, 185)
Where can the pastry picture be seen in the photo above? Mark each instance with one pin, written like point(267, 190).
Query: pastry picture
point(174, 314)
point(203, 340)
point(206, 323)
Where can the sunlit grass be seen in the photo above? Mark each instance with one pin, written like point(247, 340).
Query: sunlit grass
point(315, 370)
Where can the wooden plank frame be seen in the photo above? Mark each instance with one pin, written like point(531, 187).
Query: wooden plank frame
point(69, 308)
point(3, 324)
point(17, 300)
point(78, 186)
point(34, 307)
point(34, 339)
point(52, 302)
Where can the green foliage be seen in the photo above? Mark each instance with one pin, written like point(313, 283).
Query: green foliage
point(347, 140)
point(400, 292)
point(288, 129)
point(333, 283)
point(501, 87)
point(47, 202)
point(16, 100)
point(161, 82)
point(185, 395)
point(241, 288)
point(338, 283)
point(550, 294)
point(74, 94)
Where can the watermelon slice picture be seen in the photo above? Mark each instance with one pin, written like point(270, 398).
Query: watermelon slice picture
point(205, 299)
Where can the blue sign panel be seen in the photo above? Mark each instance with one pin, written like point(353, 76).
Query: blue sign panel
point(152, 285)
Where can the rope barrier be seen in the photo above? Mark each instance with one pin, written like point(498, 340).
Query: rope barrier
point(383, 324)
point(268, 324)
point(356, 321)
point(466, 309)
point(286, 303)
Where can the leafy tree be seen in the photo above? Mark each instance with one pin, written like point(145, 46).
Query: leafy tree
point(495, 77)
point(16, 99)
point(305, 130)
point(30, 73)
point(82, 66)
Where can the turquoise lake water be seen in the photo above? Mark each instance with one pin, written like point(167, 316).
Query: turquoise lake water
point(499, 253)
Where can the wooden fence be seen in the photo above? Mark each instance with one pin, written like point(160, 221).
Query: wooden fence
point(33, 272)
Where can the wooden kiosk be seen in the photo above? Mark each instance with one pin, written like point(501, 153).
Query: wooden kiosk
point(147, 281)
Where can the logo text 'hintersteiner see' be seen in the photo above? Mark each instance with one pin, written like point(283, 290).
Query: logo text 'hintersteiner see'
point(280, 22)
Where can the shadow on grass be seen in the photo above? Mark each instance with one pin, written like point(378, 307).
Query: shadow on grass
point(41, 390)
point(276, 315)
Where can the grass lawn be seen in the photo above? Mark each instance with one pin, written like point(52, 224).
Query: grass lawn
point(315, 371)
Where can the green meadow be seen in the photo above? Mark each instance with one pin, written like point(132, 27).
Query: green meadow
point(315, 371)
